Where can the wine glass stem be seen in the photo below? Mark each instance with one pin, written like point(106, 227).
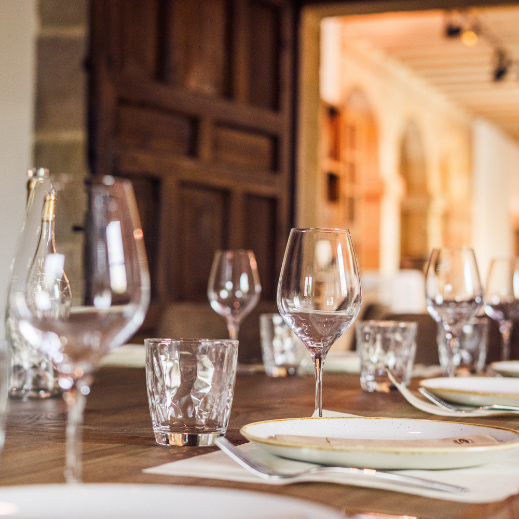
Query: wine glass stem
point(505, 328)
point(453, 353)
point(234, 329)
point(318, 366)
point(75, 406)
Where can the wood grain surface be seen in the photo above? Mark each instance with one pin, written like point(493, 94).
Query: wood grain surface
point(119, 441)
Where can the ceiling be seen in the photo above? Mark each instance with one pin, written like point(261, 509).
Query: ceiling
point(464, 74)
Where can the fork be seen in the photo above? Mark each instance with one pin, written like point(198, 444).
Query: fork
point(267, 473)
point(437, 410)
point(464, 409)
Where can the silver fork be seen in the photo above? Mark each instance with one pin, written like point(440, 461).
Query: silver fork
point(264, 472)
point(464, 409)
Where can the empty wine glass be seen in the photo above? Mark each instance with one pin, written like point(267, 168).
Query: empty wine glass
point(80, 284)
point(502, 298)
point(319, 293)
point(453, 294)
point(234, 286)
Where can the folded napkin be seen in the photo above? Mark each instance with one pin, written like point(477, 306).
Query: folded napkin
point(126, 356)
point(486, 483)
point(134, 356)
point(340, 362)
point(431, 408)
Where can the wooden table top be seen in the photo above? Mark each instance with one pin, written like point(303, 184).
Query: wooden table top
point(119, 441)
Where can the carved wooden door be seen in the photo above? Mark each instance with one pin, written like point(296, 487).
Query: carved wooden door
point(192, 100)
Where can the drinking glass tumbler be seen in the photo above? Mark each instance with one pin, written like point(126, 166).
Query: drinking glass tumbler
point(385, 345)
point(190, 386)
point(282, 351)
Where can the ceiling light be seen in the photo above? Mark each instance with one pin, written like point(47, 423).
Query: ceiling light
point(469, 37)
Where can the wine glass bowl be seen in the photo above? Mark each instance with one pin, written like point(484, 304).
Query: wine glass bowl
point(453, 293)
point(234, 287)
point(502, 298)
point(319, 293)
point(81, 288)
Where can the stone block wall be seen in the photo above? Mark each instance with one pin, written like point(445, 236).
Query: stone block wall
point(60, 121)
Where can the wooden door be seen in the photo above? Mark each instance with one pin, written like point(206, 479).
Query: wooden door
point(192, 100)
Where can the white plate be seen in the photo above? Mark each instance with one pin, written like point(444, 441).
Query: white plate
point(381, 457)
point(475, 391)
point(507, 368)
point(157, 501)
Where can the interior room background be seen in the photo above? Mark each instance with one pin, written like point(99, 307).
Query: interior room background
point(427, 172)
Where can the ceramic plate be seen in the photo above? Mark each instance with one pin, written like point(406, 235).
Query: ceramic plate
point(507, 368)
point(381, 457)
point(475, 391)
point(157, 501)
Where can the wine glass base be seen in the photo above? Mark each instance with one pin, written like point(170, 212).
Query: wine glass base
point(187, 439)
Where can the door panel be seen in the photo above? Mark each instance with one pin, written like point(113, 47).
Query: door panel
point(192, 100)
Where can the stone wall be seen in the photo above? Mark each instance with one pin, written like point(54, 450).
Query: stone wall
point(60, 125)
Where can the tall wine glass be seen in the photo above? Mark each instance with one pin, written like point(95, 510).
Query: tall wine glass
point(234, 286)
point(319, 293)
point(502, 298)
point(453, 294)
point(86, 291)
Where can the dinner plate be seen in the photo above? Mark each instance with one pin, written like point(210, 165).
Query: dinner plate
point(475, 391)
point(507, 368)
point(382, 455)
point(157, 501)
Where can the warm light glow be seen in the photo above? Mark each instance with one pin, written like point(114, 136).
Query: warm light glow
point(469, 38)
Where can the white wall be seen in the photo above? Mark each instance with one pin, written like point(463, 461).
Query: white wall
point(17, 63)
point(495, 192)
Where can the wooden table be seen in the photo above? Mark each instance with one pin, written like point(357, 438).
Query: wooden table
point(119, 442)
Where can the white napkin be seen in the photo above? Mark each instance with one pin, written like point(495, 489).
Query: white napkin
point(431, 408)
point(126, 356)
point(486, 483)
point(340, 362)
point(133, 356)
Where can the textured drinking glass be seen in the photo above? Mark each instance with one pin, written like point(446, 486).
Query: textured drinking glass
point(385, 345)
point(472, 353)
point(282, 352)
point(190, 386)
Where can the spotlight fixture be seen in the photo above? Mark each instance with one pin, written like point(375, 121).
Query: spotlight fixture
point(453, 27)
point(465, 25)
point(452, 30)
point(502, 64)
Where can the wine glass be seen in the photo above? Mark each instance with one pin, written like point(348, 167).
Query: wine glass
point(453, 294)
point(502, 298)
point(80, 286)
point(234, 286)
point(319, 293)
